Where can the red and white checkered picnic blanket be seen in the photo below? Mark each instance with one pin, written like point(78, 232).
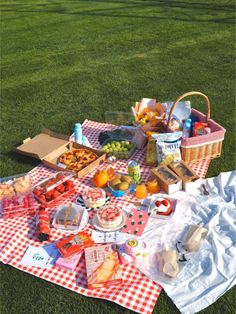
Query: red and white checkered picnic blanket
point(137, 293)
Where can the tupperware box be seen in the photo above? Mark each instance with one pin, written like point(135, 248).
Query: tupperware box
point(16, 198)
point(18, 206)
point(54, 187)
point(16, 185)
point(121, 155)
point(48, 146)
point(167, 179)
point(103, 267)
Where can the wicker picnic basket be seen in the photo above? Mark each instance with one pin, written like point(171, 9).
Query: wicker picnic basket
point(203, 147)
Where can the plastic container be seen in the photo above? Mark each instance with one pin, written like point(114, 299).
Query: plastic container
point(15, 206)
point(78, 133)
point(70, 218)
point(187, 128)
point(15, 185)
point(120, 193)
point(120, 155)
point(53, 188)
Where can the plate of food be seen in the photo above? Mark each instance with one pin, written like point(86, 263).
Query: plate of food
point(162, 207)
point(93, 198)
point(109, 218)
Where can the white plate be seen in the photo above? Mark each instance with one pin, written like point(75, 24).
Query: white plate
point(98, 227)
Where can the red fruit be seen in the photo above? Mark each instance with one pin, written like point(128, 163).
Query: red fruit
point(59, 176)
point(42, 198)
point(69, 183)
point(165, 202)
point(26, 203)
point(41, 207)
point(158, 203)
point(30, 200)
point(60, 188)
point(5, 203)
point(56, 194)
point(50, 193)
point(37, 192)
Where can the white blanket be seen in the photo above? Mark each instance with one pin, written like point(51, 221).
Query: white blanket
point(212, 270)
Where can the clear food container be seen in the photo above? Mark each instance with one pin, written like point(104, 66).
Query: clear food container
point(53, 188)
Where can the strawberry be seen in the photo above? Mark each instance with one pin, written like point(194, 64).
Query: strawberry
point(60, 188)
point(30, 200)
point(69, 183)
point(50, 193)
point(37, 192)
point(165, 203)
point(158, 203)
point(42, 198)
point(59, 176)
point(56, 194)
point(26, 203)
point(5, 203)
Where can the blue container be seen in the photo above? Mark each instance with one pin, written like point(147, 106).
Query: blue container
point(120, 193)
point(78, 133)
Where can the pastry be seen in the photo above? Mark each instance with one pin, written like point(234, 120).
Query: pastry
point(68, 216)
point(77, 159)
point(22, 185)
point(163, 207)
point(94, 197)
point(109, 217)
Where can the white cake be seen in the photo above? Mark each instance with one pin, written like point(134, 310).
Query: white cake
point(109, 217)
point(94, 197)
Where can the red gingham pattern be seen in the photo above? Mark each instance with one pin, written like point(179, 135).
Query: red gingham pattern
point(137, 293)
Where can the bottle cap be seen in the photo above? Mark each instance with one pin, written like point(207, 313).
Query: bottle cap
point(77, 125)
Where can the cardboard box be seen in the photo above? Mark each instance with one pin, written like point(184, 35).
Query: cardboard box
point(48, 146)
point(190, 186)
point(74, 243)
point(167, 179)
point(103, 267)
point(183, 171)
point(70, 262)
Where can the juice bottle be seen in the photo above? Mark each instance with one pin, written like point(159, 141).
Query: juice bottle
point(153, 186)
point(141, 191)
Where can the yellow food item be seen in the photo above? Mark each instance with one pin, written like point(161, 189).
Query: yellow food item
point(117, 176)
point(115, 182)
point(123, 186)
point(126, 179)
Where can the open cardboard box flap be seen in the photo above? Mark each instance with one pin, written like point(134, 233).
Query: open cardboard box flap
point(48, 146)
point(42, 144)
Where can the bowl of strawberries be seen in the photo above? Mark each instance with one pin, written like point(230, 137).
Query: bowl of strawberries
point(53, 188)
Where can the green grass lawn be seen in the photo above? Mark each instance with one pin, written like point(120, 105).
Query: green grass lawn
point(65, 60)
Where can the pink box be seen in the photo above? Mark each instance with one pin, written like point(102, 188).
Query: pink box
point(103, 267)
point(69, 263)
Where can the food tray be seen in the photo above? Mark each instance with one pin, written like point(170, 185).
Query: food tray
point(120, 193)
point(120, 155)
point(53, 188)
point(16, 206)
point(15, 185)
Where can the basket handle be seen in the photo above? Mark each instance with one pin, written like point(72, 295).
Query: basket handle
point(190, 94)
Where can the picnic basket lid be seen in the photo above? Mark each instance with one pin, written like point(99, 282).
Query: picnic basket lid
point(42, 144)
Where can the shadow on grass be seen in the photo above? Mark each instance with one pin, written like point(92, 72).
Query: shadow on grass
point(142, 4)
point(22, 159)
